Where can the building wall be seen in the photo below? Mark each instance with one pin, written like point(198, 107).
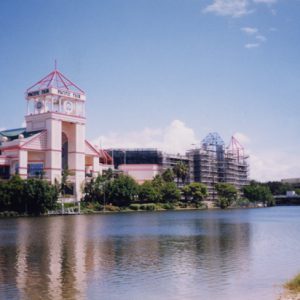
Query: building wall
point(141, 172)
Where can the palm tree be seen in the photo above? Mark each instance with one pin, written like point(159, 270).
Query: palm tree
point(181, 171)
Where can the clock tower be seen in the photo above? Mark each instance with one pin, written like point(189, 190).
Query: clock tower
point(56, 106)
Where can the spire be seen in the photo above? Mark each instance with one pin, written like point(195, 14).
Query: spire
point(56, 80)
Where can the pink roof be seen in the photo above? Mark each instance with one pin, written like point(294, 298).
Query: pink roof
point(56, 80)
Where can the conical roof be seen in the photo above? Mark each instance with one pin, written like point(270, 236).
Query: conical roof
point(56, 80)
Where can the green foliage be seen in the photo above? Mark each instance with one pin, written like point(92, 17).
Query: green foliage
point(227, 194)
point(170, 192)
point(168, 175)
point(122, 190)
point(149, 192)
point(148, 206)
point(66, 187)
point(33, 196)
point(277, 187)
point(95, 189)
point(40, 196)
point(181, 171)
point(257, 192)
point(195, 192)
point(134, 206)
point(168, 206)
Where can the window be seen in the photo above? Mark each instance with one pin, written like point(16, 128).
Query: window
point(35, 169)
point(4, 172)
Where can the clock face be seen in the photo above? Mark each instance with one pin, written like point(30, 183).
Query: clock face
point(68, 106)
point(39, 105)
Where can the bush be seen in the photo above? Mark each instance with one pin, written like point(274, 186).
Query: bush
point(134, 206)
point(112, 208)
point(294, 284)
point(122, 191)
point(149, 206)
point(170, 192)
point(168, 206)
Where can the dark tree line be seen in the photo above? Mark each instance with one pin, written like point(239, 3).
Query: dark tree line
point(32, 196)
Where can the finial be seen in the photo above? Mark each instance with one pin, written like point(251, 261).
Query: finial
point(55, 65)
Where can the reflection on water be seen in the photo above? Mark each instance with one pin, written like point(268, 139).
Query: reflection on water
point(169, 255)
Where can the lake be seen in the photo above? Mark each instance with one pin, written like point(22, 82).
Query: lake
point(234, 254)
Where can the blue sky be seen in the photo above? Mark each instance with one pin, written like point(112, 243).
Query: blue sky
point(165, 73)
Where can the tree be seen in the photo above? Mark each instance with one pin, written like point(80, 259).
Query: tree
point(168, 175)
point(227, 194)
point(170, 192)
point(148, 192)
point(40, 196)
point(181, 171)
point(257, 192)
point(195, 192)
point(278, 187)
point(122, 190)
point(34, 196)
point(65, 185)
point(94, 189)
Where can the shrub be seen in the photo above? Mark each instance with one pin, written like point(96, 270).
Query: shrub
point(294, 284)
point(149, 206)
point(168, 206)
point(112, 208)
point(134, 206)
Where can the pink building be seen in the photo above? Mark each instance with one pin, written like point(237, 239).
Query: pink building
point(54, 136)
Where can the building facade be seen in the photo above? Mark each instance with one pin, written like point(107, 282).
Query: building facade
point(144, 164)
point(54, 137)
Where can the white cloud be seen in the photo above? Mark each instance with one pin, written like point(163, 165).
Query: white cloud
point(249, 30)
point(269, 164)
point(261, 38)
point(252, 45)
point(265, 1)
point(273, 165)
point(2, 128)
point(233, 8)
point(175, 138)
point(242, 138)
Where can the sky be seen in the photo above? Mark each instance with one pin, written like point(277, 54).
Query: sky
point(165, 73)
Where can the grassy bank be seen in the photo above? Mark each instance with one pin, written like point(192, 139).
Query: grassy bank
point(291, 289)
point(96, 208)
point(293, 285)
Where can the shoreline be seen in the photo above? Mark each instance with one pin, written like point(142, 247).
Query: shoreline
point(116, 210)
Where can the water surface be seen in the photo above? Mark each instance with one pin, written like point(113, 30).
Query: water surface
point(235, 254)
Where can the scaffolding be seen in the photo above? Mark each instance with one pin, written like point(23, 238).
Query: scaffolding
point(212, 163)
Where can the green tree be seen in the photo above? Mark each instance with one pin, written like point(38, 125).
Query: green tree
point(181, 171)
point(149, 192)
point(65, 185)
point(158, 181)
point(15, 194)
point(195, 192)
point(122, 190)
point(170, 192)
point(227, 194)
point(257, 192)
point(40, 196)
point(168, 175)
point(277, 187)
point(95, 188)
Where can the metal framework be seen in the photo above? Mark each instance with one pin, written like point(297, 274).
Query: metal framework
point(213, 163)
point(57, 80)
